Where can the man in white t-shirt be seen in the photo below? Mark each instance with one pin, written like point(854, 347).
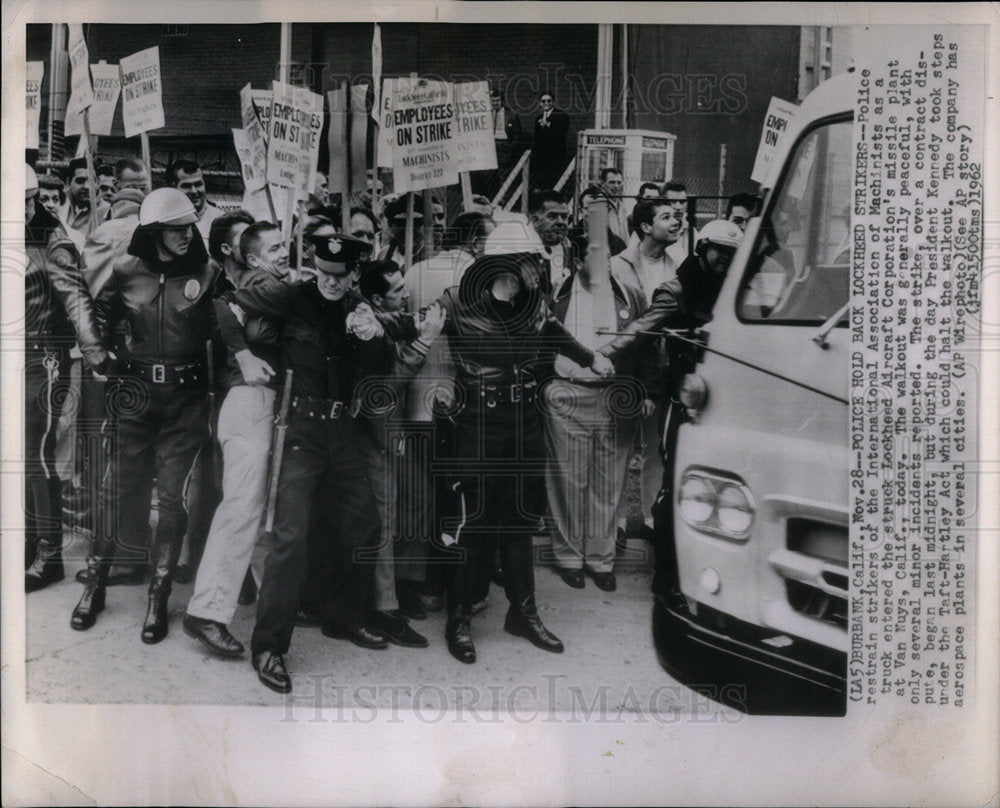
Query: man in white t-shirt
point(676, 194)
point(588, 438)
point(645, 266)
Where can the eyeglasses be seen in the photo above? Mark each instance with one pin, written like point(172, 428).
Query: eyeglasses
point(546, 101)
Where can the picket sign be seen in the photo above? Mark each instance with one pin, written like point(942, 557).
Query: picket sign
point(779, 115)
point(33, 101)
point(81, 97)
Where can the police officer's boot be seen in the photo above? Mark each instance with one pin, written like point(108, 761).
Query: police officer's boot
point(47, 566)
point(522, 616)
point(458, 634)
point(92, 602)
point(523, 621)
point(166, 550)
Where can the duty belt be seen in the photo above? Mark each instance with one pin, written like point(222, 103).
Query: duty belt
point(319, 409)
point(491, 395)
point(181, 374)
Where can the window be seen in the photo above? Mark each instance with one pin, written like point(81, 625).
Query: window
point(799, 273)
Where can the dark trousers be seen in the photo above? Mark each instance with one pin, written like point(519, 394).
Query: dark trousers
point(502, 489)
point(160, 429)
point(45, 387)
point(321, 458)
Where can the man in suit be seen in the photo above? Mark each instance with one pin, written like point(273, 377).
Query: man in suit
point(548, 154)
point(506, 134)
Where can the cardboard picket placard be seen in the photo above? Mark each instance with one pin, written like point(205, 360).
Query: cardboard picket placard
point(779, 116)
point(386, 134)
point(261, 100)
point(253, 176)
point(473, 127)
point(295, 125)
point(253, 131)
point(107, 88)
point(142, 92)
point(33, 101)
point(424, 153)
point(81, 93)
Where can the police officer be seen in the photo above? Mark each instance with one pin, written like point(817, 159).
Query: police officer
point(158, 305)
point(58, 310)
point(498, 322)
point(328, 334)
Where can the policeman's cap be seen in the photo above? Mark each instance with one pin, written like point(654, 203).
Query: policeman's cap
point(334, 253)
point(397, 208)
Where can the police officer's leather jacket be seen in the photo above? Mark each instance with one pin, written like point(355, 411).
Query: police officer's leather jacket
point(496, 341)
point(156, 311)
point(57, 304)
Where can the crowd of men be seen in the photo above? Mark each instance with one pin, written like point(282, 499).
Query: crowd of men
point(351, 442)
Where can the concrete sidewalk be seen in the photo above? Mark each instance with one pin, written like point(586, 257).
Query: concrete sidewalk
point(609, 666)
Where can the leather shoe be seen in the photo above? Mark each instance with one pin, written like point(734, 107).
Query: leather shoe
point(182, 574)
point(458, 634)
point(605, 581)
point(397, 631)
point(573, 578)
point(361, 636)
point(119, 576)
point(481, 605)
point(410, 605)
point(271, 671)
point(42, 573)
point(248, 592)
point(213, 635)
point(91, 604)
point(432, 603)
point(305, 618)
point(529, 626)
point(154, 628)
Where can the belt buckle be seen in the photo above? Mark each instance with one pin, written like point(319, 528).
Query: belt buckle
point(515, 393)
point(159, 374)
point(336, 408)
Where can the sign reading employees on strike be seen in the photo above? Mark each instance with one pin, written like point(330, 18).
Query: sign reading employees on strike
point(293, 146)
point(424, 149)
point(253, 173)
point(107, 87)
point(473, 130)
point(142, 93)
point(779, 116)
point(33, 101)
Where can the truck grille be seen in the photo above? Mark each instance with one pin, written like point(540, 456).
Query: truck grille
point(816, 585)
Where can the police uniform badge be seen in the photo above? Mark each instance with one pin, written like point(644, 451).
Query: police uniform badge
point(191, 289)
point(623, 314)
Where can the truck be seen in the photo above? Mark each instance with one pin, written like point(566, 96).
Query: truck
point(751, 525)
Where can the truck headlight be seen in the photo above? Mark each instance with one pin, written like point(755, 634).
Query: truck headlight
point(733, 510)
point(715, 503)
point(696, 501)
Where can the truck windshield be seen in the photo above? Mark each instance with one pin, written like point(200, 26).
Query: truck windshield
point(799, 273)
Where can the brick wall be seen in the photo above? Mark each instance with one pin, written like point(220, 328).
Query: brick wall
point(707, 84)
